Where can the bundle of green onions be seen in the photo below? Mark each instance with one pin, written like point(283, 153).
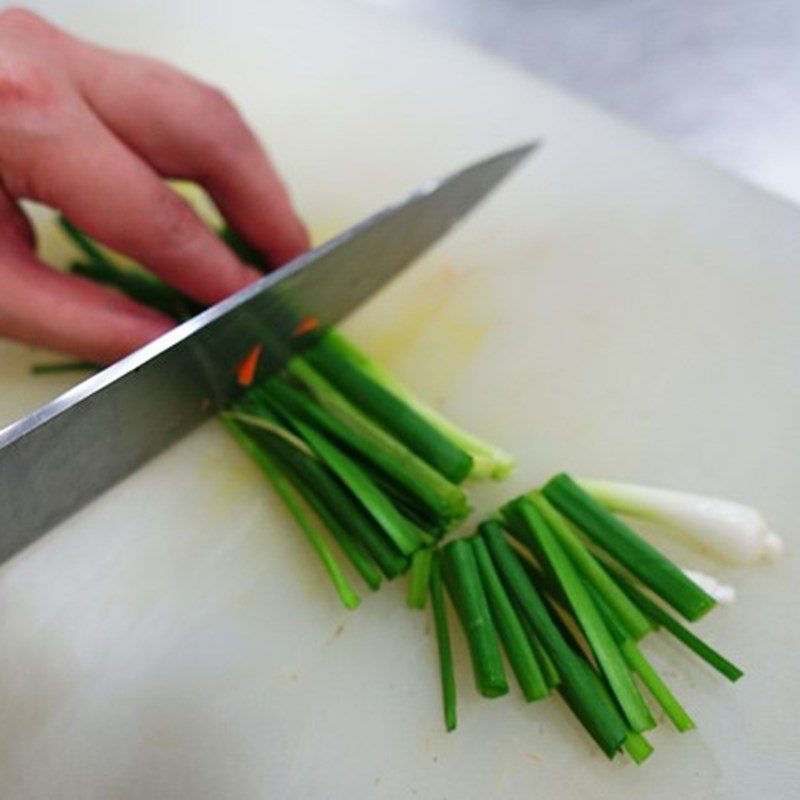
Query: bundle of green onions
point(554, 580)
point(565, 589)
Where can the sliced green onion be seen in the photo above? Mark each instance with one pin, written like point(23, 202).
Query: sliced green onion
point(580, 686)
point(83, 242)
point(446, 671)
point(397, 528)
point(343, 587)
point(512, 633)
point(488, 461)
point(524, 516)
point(551, 676)
point(419, 578)
point(662, 617)
point(655, 685)
point(349, 513)
point(64, 366)
point(443, 498)
point(591, 569)
point(638, 663)
point(267, 422)
point(732, 532)
point(627, 547)
point(244, 250)
point(356, 553)
point(464, 585)
point(391, 412)
point(637, 747)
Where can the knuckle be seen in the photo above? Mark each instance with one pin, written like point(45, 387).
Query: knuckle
point(20, 19)
point(177, 226)
point(217, 101)
point(224, 132)
point(25, 86)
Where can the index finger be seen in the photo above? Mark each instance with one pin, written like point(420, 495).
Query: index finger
point(185, 128)
point(109, 192)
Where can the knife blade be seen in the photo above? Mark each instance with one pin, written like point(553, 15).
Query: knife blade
point(64, 455)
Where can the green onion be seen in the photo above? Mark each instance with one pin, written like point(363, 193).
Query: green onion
point(444, 499)
point(638, 663)
point(662, 617)
point(356, 553)
point(245, 251)
point(344, 589)
point(64, 366)
point(524, 517)
point(419, 577)
point(397, 528)
point(335, 498)
point(593, 572)
point(488, 461)
point(549, 671)
point(637, 747)
point(515, 641)
point(391, 412)
point(464, 584)
point(580, 686)
point(446, 672)
point(655, 685)
point(627, 547)
point(82, 241)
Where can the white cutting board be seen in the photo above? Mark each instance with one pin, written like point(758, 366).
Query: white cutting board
point(617, 309)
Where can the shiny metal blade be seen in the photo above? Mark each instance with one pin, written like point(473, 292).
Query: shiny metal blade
point(67, 453)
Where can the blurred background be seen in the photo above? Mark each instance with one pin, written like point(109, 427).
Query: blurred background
point(719, 78)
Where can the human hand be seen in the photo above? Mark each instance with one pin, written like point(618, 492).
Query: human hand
point(93, 133)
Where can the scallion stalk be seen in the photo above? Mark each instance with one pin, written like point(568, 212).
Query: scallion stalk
point(446, 671)
point(343, 587)
point(662, 617)
point(488, 460)
point(337, 499)
point(592, 571)
point(356, 553)
point(397, 528)
point(391, 412)
point(627, 547)
point(732, 532)
point(580, 686)
point(64, 366)
point(548, 667)
point(512, 633)
point(464, 585)
point(637, 747)
point(524, 516)
point(638, 664)
point(419, 578)
point(442, 498)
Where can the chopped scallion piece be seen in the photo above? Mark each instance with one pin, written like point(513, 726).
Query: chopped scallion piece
point(512, 633)
point(525, 518)
point(464, 585)
point(592, 571)
point(446, 671)
point(344, 589)
point(627, 547)
point(391, 412)
point(580, 686)
point(419, 578)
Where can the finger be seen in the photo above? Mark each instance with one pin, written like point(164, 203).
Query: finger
point(187, 129)
point(106, 190)
point(63, 312)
